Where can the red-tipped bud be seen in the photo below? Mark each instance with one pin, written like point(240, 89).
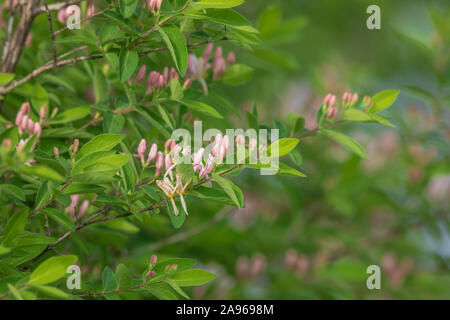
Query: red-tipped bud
point(141, 149)
point(152, 153)
point(218, 53)
point(56, 152)
point(150, 274)
point(30, 126)
point(76, 144)
point(161, 82)
point(207, 52)
point(83, 208)
point(166, 75)
point(42, 113)
point(159, 163)
point(187, 83)
point(141, 74)
point(153, 259)
point(231, 58)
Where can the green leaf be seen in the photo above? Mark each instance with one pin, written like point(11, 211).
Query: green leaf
point(122, 23)
point(43, 194)
point(108, 160)
point(16, 224)
point(123, 277)
point(284, 146)
point(377, 118)
point(356, 115)
point(71, 115)
point(201, 107)
point(12, 191)
point(60, 218)
point(229, 188)
point(127, 7)
point(176, 91)
point(15, 292)
point(384, 100)
point(100, 86)
point(207, 4)
point(52, 269)
point(109, 281)
point(102, 142)
point(39, 97)
point(346, 141)
point(11, 134)
point(226, 16)
point(177, 220)
point(162, 291)
point(166, 117)
point(41, 172)
point(194, 277)
point(281, 170)
point(176, 43)
point(177, 288)
point(80, 188)
point(6, 78)
point(128, 178)
point(128, 62)
point(65, 132)
point(51, 292)
point(237, 74)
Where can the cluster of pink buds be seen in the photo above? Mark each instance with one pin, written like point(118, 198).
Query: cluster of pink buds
point(156, 80)
point(153, 154)
point(152, 4)
point(24, 122)
point(82, 209)
point(151, 264)
point(198, 67)
point(171, 268)
point(349, 99)
point(328, 103)
point(296, 262)
point(73, 149)
point(367, 102)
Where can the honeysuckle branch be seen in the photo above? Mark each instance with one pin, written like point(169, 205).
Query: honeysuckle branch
point(57, 6)
point(43, 206)
point(52, 35)
point(84, 224)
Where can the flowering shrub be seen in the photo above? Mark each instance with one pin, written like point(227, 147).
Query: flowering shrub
point(95, 141)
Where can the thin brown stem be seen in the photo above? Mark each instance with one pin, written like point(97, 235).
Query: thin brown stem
point(52, 35)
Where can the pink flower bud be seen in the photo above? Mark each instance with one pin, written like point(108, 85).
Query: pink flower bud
point(19, 118)
point(226, 142)
point(152, 153)
point(7, 143)
point(327, 98)
point(187, 83)
point(231, 58)
point(218, 68)
point(161, 82)
point(30, 126)
point(332, 101)
point(23, 124)
point(221, 155)
point(25, 108)
point(207, 52)
point(83, 208)
point(218, 53)
point(56, 152)
point(159, 163)
point(150, 274)
point(345, 97)
point(37, 130)
point(141, 150)
point(158, 5)
point(354, 98)
point(141, 74)
point(91, 10)
point(73, 204)
point(218, 140)
point(62, 16)
point(198, 157)
point(168, 144)
point(42, 113)
point(173, 74)
point(240, 140)
point(168, 162)
point(153, 259)
point(76, 144)
point(253, 143)
point(151, 4)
